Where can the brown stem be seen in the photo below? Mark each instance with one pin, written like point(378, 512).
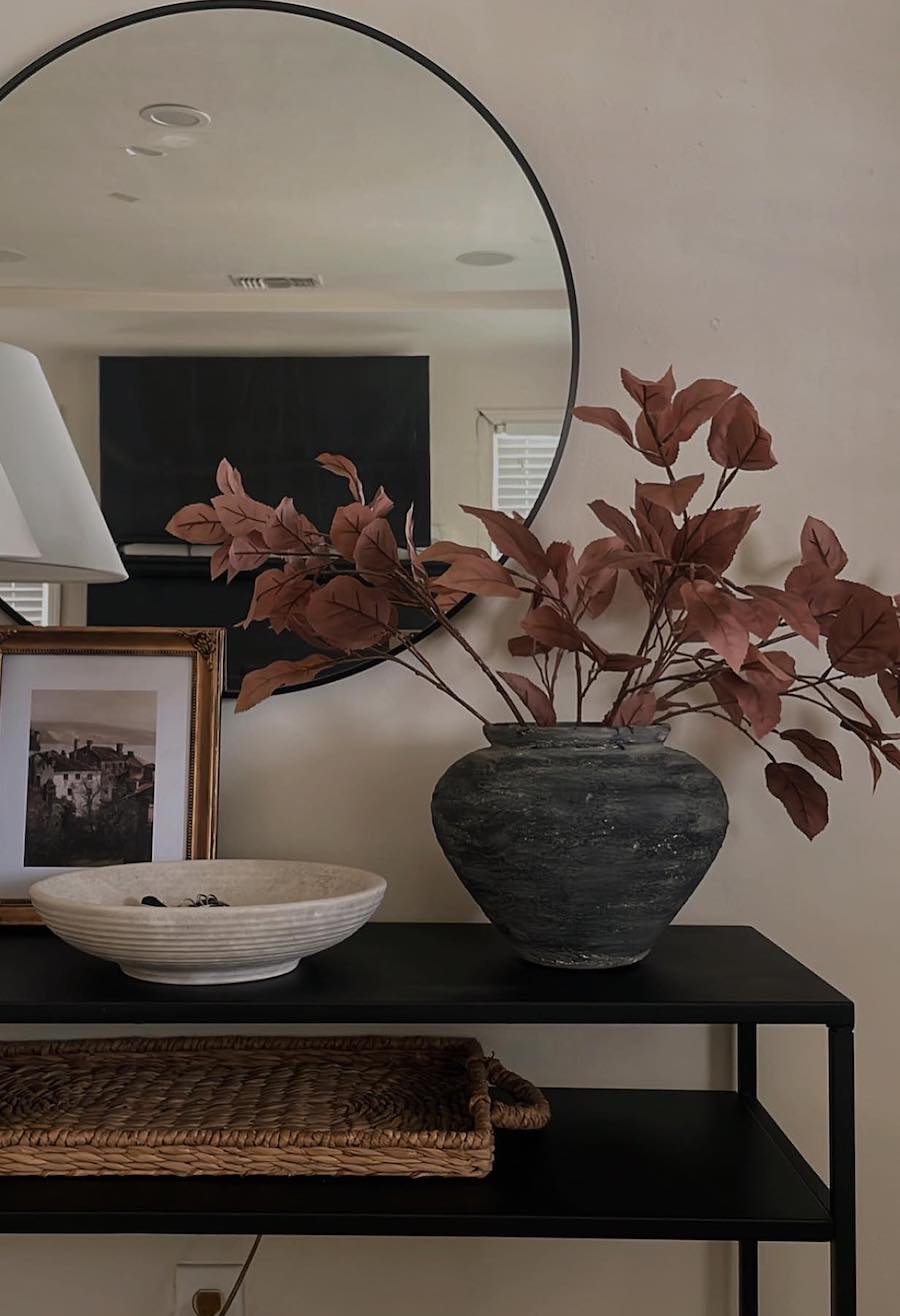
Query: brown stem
point(438, 683)
point(743, 730)
point(446, 624)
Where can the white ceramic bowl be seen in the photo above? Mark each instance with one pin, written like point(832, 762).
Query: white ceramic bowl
point(277, 913)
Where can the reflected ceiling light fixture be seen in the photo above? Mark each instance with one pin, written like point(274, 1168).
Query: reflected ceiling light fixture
point(143, 150)
point(485, 258)
point(175, 116)
point(177, 141)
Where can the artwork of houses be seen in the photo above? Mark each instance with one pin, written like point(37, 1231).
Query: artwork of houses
point(89, 775)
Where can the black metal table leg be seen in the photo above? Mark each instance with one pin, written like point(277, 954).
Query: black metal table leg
point(748, 1248)
point(842, 1155)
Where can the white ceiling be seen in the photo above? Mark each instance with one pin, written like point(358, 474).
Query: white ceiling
point(328, 154)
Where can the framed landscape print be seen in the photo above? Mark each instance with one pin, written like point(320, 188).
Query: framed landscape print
point(109, 746)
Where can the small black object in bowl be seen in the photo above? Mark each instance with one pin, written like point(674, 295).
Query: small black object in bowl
point(202, 900)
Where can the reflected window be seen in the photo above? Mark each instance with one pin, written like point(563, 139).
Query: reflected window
point(523, 455)
point(38, 604)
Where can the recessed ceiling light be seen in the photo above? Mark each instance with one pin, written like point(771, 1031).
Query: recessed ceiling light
point(122, 196)
point(175, 116)
point(9, 257)
point(485, 258)
point(143, 150)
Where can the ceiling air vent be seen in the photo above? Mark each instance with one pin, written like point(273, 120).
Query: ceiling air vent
point(274, 282)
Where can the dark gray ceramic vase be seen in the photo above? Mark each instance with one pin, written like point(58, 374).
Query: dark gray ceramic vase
point(579, 842)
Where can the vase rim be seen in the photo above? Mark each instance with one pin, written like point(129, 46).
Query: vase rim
point(527, 735)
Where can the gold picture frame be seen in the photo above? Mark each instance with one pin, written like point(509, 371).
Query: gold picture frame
point(206, 650)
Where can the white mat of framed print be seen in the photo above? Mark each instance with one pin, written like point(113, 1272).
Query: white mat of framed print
point(108, 748)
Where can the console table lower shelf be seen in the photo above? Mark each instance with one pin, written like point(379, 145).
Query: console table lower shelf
point(614, 1163)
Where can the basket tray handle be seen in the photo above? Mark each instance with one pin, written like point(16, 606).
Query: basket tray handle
point(530, 1109)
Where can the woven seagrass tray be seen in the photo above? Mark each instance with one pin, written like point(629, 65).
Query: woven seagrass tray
point(258, 1105)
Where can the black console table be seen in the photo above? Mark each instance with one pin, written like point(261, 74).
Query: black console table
point(613, 1164)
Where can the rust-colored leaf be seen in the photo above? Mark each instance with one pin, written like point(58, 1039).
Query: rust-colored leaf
point(769, 669)
point(242, 515)
point(712, 538)
point(415, 560)
point(609, 554)
point(846, 692)
point(198, 523)
point(656, 524)
point(804, 800)
point(513, 539)
point(709, 610)
point(228, 479)
point(864, 637)
point(525, 646)
point(277, 595)
point(350, 615)
point(889, 684)
point(446, 599)
point(478, 575)
point(621, 662)
point(723, 688)
point(892, 754)
point(651, 395)
point(760, 616)
point(343, 466)
point(553, 629)
point(246, 554)
point(609, 418)
point(820, 546)
point(761, 708)
point(257, 686)
point(599, 591)
point(695, 405)
point(673, 497)
point(381, 504)
point(636, 710)
point(793, 608)
point(290, 531)
point(737, 441)
point(820, 752)
point(564, 571)
point(218, 563)
point(597, 580)
point(534, 699)
point(347, 525)
point(445, 550)
point(650, 433)
point(616, 521)
point(828, 596)
point(376, 552)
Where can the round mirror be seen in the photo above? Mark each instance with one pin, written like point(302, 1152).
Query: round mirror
point(264, 233)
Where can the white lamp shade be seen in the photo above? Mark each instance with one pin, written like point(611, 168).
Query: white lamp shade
point(51, 526)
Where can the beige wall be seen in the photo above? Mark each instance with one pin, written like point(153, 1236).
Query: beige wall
point(727, 181)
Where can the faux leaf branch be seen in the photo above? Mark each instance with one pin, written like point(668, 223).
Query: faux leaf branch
point(710, 645)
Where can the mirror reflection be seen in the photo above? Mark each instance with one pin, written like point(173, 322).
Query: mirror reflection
point(265, 235)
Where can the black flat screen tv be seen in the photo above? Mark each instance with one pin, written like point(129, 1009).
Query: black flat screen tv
point(166, 421)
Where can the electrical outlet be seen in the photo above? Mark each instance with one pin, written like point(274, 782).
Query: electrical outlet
point(196, 1282)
